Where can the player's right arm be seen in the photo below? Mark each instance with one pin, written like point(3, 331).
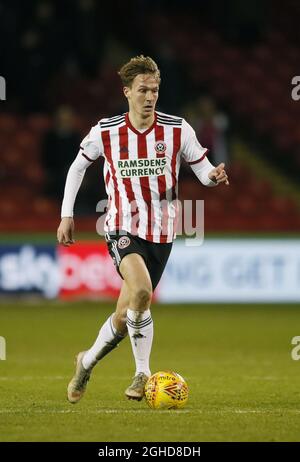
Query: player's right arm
point(90, 150)
point(65, 231)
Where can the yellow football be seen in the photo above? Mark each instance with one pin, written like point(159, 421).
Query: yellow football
point(166, 390)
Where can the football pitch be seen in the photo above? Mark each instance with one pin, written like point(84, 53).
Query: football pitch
point(244, 385)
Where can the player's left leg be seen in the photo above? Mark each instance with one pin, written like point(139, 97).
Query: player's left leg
point(142, 278)
point(139, 321)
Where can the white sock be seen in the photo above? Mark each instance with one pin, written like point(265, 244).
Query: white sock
point(108, 339)
point(140, 330)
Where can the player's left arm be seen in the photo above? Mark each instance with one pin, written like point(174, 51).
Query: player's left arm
point(210, 175)
point(219, 175)
point(195, 155)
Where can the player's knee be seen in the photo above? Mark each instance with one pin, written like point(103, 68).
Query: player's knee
point(119, 322)
point(120, 318)
point(141, 298)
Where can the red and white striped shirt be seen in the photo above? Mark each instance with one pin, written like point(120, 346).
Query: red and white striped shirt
point(141, 171)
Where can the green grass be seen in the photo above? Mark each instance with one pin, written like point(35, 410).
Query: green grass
point(50, 238)
point(244, 386)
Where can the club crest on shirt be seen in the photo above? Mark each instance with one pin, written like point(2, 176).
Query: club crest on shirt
point(123, 242)
point(160, 147)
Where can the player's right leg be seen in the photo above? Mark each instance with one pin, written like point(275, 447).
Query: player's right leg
point(110, 334)
point(132, 313)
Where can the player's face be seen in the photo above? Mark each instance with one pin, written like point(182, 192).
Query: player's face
point(143, 95)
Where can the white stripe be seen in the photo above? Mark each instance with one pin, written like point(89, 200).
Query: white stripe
point(279, 411)
point(115, 251)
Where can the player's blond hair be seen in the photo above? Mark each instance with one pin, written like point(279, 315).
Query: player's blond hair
point(138, 65)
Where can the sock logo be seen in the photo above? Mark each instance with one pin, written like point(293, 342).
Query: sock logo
point(136, 336)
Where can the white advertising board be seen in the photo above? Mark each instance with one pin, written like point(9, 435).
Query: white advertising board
point(233, 270)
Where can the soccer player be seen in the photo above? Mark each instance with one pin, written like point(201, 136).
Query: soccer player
point(142, 150)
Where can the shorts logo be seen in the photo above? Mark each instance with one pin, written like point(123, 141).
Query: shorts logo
point(123, 242)
point(160, 147)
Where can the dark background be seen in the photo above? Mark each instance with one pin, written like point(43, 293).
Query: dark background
point(226, 66)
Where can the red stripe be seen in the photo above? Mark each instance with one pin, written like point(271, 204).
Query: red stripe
point(107, 178)
point(107, 151)
point(162, 188)
point(124, 154)
point(123, 142)
point(176, 148)
point(160, 136)
point(198, 160)
point(145, 185)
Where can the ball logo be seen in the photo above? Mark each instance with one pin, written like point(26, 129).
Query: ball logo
point(160, 147)
point(166, 390)
point(123, 242)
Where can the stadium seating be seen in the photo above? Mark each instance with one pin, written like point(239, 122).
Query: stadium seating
point(248, 204)
point(254, 83)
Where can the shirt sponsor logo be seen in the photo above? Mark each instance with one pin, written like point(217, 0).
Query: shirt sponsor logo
point(142, 167)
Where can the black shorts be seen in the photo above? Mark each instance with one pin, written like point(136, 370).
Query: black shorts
point(154, 254)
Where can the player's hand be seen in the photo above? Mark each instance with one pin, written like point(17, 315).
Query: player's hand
point(65, 231)
point(218, 174)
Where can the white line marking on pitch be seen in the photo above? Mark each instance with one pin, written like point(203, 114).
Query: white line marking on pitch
point(64, 377)
point(29, 377)
point(147, 411)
